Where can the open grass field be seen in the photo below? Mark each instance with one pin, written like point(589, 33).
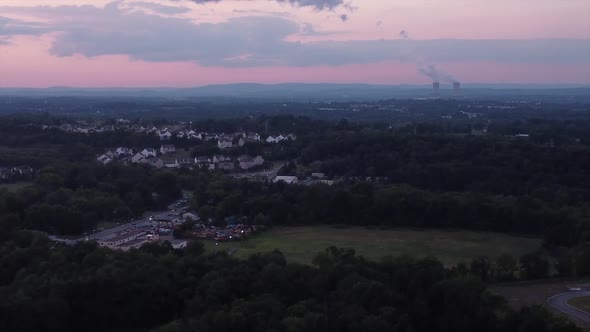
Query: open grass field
point(13, 187)
point(582, 303)
point(301, 244)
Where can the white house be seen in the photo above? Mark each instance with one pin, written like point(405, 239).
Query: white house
point(202, 160)
point(185, 162)
point(220, 158)
point(165, 135)
point(149, 152)
point(286, 179)
point(167, 148)
point(172, 165)
point(206, 165)
point(138, 158)
point(104, 159)
point(227, 165)
point(123, 152)
point(193, 135)
point(253, 137)
point(271, 139)
point(225, 143)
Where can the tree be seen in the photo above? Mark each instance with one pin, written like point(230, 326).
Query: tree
point(194, 248)
point(582, 260)
point(534, 266)
point(481, 267)
point(506, 267)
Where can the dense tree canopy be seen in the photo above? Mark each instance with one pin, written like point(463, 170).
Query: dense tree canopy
point(45, 287)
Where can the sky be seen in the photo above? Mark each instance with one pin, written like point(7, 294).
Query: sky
point(185, 43)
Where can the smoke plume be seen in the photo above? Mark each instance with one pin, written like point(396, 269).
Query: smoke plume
point(429, 70)
point(436, 74)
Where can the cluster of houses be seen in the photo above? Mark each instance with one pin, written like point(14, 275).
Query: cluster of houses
point(82, 128)
point(181, 130)
point(16, 173)
point(226, 163)
point(315, 178)
point(155, 157)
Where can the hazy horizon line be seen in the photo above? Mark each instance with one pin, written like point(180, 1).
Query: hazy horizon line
point(463, 84)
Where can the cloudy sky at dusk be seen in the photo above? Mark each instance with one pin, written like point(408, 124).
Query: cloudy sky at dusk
point(180, 43)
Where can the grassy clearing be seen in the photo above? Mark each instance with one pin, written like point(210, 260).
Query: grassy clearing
point(13, 187)
point(582, 303)
point(301, 244)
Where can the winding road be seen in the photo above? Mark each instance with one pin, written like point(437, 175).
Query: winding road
point(560, 302)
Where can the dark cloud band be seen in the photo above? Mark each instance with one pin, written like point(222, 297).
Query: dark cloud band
point(316, 4)
point(259, 41)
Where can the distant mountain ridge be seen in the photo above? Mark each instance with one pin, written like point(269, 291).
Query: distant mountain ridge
point(302, 91)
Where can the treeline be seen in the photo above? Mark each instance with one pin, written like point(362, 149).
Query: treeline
point(71, 198)
point(366, 204)
point(48, 287)
point(495, 164)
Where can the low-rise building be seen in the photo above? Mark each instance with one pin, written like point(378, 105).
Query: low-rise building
point(220, 158)
point(149, 152)
point(118, 240)
point(165, 135)
point(226, 165)
point(123, 152)
point(139, 158)
point(104, 159)
point(225, 143)
point(174, 164)
point(185, 162)
point(247, 162)
point(202, 160)
point(286, 179)
point(253, 137)
point(167, 148)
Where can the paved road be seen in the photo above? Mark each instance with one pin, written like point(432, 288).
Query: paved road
point(110, 232)
point(559, 302)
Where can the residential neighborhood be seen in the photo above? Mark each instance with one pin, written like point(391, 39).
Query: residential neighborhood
point(167, 155)
point(180, 130)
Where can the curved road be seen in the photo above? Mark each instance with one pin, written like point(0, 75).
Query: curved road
point(559, 302)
